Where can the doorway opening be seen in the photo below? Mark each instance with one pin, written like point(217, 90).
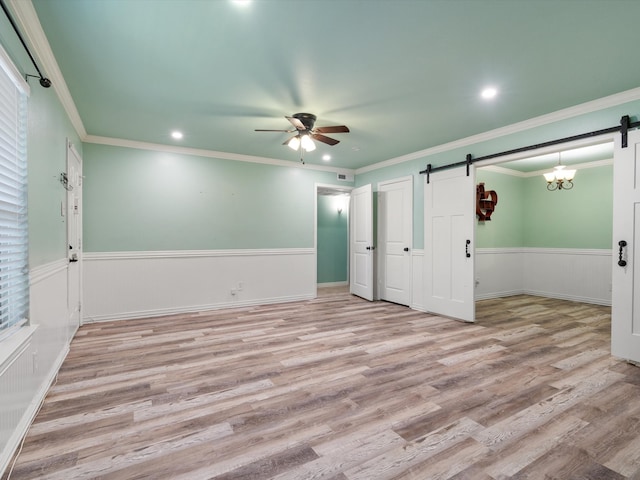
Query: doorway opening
point(332, 236)
point(548, 243)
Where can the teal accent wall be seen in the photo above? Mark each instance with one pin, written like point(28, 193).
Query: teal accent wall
point(600, 119)
point(141, 200)
point(333, 238)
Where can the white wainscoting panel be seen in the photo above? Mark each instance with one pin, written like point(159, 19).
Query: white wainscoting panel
point(499, 272)
point(582, 275)
point(37, 353)
point(570, 274)
point(123, 285)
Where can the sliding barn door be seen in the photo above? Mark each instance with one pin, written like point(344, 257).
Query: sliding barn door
point(361, 243)
point(449, 242)
point(625, 310)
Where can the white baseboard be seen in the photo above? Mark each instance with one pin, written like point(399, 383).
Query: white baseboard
point(13, 443)
point(502, 294)
point(194, 309)
point(333, 284)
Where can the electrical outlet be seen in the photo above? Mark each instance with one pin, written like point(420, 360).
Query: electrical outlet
point(240, 286)
point(233, 291)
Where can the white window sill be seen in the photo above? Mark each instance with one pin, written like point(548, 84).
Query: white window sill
point(12, 347)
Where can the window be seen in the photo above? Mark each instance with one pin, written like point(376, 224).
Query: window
point(14, 248)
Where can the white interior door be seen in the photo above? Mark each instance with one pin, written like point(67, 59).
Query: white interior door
point(74, 237)
point(625, 300)
point(449, 240)
point(361, 244)
point(395, 239)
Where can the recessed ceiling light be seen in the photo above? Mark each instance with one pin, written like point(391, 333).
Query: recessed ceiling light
point(326, 157)
point(489, 93)
point(241, 3)
point(176, 135)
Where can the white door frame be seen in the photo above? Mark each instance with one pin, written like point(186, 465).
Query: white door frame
point(333, 188)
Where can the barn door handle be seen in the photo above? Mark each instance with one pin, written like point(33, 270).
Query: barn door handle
point(466, 248)
point(622, 244)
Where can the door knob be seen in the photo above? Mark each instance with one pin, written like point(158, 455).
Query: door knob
point(406, 249)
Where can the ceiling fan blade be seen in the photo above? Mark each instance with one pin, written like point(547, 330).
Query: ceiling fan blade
point(333, 129)
point(323, 139)
point(262, 130)
point(296, 123)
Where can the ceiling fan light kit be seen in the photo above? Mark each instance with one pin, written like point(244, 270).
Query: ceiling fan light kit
point(306, 133)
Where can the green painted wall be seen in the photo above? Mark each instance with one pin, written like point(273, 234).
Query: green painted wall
point(506, 227)
point(528, 215)
point(49, 128)
point(333, 237)
point(578, 218)
point(140, 200)
point(600, 119)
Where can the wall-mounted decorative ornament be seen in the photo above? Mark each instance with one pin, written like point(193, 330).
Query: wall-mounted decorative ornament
point(486, 201)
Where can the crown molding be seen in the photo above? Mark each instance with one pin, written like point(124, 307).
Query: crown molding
point(27, 19)
point(564, 114)
point(157, 147)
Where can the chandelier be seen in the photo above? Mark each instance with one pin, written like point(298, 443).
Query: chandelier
point(560, 179)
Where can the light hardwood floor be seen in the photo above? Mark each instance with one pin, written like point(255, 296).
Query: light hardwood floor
point(340, 388)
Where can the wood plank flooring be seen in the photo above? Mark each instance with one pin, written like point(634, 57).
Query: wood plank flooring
point(343, 389)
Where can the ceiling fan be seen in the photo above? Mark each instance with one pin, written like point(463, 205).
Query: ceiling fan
point(306, 133)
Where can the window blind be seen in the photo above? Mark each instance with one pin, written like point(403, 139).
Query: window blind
point(14, 246)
